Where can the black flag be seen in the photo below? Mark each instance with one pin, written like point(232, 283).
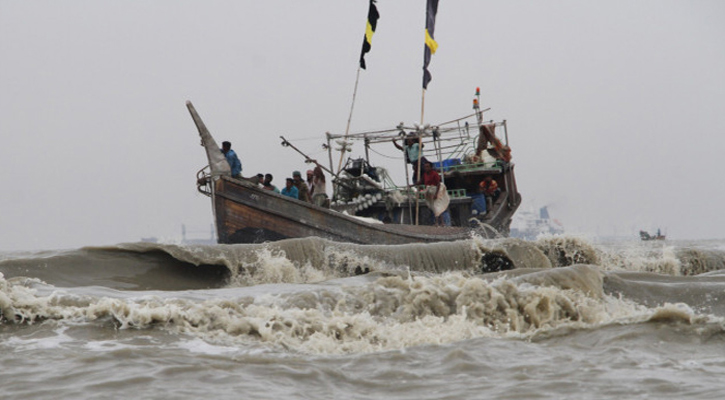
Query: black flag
point(369, 30)
point(430, 43)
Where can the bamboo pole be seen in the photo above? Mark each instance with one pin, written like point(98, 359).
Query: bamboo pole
point(349, 118)
point(420, 156)
point(285, 142)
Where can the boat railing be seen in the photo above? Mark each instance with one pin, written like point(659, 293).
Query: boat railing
point(203, 181)
point(411, 192)
point(455, 153)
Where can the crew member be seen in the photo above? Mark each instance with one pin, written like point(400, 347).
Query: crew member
point(302, 188)
point(436, 196)
point(290, 189)
point(232, 159)
point(411, 148)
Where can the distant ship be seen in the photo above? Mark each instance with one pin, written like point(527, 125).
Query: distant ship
point(211, 239)
point(644, 235)
point(528, 225)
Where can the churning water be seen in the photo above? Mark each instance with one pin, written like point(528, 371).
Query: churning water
point(315, 319)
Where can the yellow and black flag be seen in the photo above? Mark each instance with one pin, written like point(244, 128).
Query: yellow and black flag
point(430, 43)
point(369, 30)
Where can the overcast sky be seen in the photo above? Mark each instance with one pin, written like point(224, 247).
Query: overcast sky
point(615, 108)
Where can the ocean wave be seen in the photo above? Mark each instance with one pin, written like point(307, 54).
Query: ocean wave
point(372, 313)
point(158, 266)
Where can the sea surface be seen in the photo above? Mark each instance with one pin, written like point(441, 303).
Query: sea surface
point(313, 319)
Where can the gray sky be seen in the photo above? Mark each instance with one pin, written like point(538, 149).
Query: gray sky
point(614, 107)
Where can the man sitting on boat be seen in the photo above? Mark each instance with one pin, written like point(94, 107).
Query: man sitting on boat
point(302, 188)
point(490, 189)
point(436, 195)
point(290, 189)
point(268, 183)
point(232, 159)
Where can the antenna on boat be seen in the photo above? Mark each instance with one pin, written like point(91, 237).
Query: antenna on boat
point(477, 106)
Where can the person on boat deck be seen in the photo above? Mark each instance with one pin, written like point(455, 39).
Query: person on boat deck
point(260, 179)
point(411, 148)
point(232, 159)
point(310, 177)
point(489, 187)
point(319, 187)
point(430, 178)
point(290, 189)
point(490, 190)
point(302, 188)
point(268, 183)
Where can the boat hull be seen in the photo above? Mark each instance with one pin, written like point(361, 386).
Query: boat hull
point(246, 213)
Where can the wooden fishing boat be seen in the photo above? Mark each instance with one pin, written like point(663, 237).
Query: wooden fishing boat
point(366, 207)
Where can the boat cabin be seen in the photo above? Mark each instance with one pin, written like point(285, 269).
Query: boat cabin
point(463, 152)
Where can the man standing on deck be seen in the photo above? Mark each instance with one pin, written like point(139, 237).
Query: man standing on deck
point(310, 184)
point(436, 196)
point(412, 152)
point(232, 159)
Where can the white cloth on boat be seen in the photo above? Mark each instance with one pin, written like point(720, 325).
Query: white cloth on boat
point(439, 204)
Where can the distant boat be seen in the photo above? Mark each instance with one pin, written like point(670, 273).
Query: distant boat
point(529, 226)
point(184, 239)
point(644, 235)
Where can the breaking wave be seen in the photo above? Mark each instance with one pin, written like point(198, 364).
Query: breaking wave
point(315, 296)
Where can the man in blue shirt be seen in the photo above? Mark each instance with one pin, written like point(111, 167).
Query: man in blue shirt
point(411, 148)
point(291, 190)
point(232, 159)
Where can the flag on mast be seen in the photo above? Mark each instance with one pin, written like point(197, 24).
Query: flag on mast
point(430, 43)
point(369, 30)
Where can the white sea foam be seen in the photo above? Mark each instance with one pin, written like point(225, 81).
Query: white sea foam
point(200, 346)
point(56, 340)
point(391, 312)
point(637, 258)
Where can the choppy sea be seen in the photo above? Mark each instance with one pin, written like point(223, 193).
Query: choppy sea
point(300, 319)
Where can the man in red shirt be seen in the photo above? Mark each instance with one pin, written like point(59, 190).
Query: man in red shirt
point(489, 187)
point(490, 190)
point(434, 198)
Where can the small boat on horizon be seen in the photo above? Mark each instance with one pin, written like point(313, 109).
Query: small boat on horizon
point(644, 235)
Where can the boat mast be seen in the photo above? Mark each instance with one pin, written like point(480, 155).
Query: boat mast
point(329, 149)
point(349, 118)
